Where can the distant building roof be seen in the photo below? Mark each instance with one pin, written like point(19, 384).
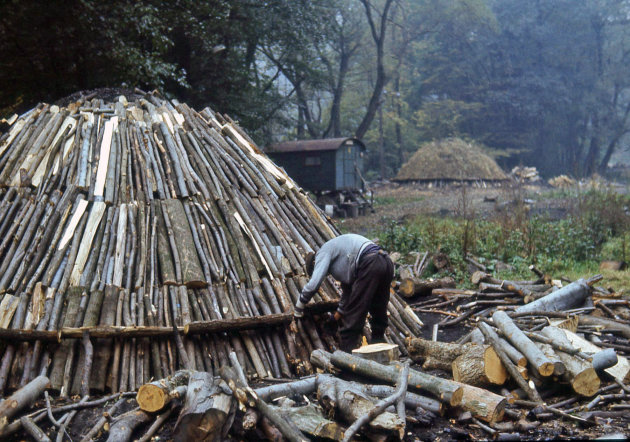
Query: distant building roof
point(313, 145)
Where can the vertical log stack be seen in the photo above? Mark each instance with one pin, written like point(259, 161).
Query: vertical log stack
point(142, 213)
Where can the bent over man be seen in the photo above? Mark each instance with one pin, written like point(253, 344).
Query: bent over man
point(365, 273)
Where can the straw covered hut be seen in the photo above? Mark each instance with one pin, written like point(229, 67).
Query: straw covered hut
point(450, 160)
point(161, 236)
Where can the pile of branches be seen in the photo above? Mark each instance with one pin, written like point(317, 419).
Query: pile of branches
point(141, 237)
point(521, 367)
point(552, 351)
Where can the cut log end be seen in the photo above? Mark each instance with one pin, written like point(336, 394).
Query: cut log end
point(586, 383)
point(151, 398)
point(494, 369)
point(546, 368)
point(455, 398)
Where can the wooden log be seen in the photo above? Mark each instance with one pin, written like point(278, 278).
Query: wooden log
point(479, 366)
point(102, 346)
point(21, 399)
point(382, 352)
point(192, 273)
point(237, 382)
point(343, 399)
point(579, 373)
point(445, 390)
point(570, 296)
point(207, 410)
point(299, 387)
point(167, 265)
point(410, 287)
point(122, 428)
point(493, 339)
point(483, 404)
point(31, 428)
point(156, 395)
point(604, 359)
point(379, 409)
point(435, 354)
point(610, 325)
point(533, 354)
point(310, 421)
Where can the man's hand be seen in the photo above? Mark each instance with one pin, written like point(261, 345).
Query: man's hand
point(299, 309)
point(337, 316)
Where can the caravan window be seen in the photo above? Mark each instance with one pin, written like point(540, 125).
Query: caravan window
point(312, 161)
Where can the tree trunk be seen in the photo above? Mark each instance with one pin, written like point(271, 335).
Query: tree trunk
point(447, 391)
point(207, 412)
point(309, 420)
point(533, 354)
point(154, 396)
point(379, 38)
point(566, 298)
point(342, 399)
point(579, 373)
point(22, 398)
point(480, 366)
point(410, 287)
point(123, 426)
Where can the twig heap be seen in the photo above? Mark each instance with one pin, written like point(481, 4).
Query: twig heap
point(160, 235)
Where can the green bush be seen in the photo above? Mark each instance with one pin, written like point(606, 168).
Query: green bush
point(597, 229)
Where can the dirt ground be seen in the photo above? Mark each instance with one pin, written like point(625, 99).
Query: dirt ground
point(397, 202)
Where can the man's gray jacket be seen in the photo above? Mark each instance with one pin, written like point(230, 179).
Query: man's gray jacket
point(338, 257)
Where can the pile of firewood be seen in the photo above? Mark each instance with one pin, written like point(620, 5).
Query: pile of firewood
point(549, 353)
point(139, 237)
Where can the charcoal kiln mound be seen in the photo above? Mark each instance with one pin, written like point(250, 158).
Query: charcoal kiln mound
point(139, 237)
point(451, 160)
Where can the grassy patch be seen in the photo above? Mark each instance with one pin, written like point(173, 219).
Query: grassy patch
point(598, 229)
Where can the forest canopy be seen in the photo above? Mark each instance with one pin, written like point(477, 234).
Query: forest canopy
point(544, 83)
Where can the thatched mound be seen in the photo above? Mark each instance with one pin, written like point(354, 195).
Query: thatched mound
point(450, 159)
point(129, 218)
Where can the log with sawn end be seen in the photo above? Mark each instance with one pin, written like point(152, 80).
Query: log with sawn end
point(533, 354)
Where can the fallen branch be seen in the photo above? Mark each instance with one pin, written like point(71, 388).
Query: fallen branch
point(235, 378)
point(381, 406)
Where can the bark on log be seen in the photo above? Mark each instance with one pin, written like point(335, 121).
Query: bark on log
point(483, 404)
point(410, 287)
point(379, 408)
point(299, 387)
point(235, 378)
point(207, 412)
point(347, 402)
point(447, 391)
point(192, 274)
point(493, 339)
point(436, 354)
point(412, 400)
point(566, 298)
point(605, 359)
point(479, 366)
point(533, 354)
point(609, 324)
point(579, 373)
point(31, 428)
point(21, 399)
point(123, 426)
point(310, 421)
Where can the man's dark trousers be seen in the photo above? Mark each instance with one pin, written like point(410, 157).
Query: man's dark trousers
point(368, 294)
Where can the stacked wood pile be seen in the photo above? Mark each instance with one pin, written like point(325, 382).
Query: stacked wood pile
point(139, 237)
point(549, 354)
point(562, 181)
point(525, 174)
point(551, 351)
